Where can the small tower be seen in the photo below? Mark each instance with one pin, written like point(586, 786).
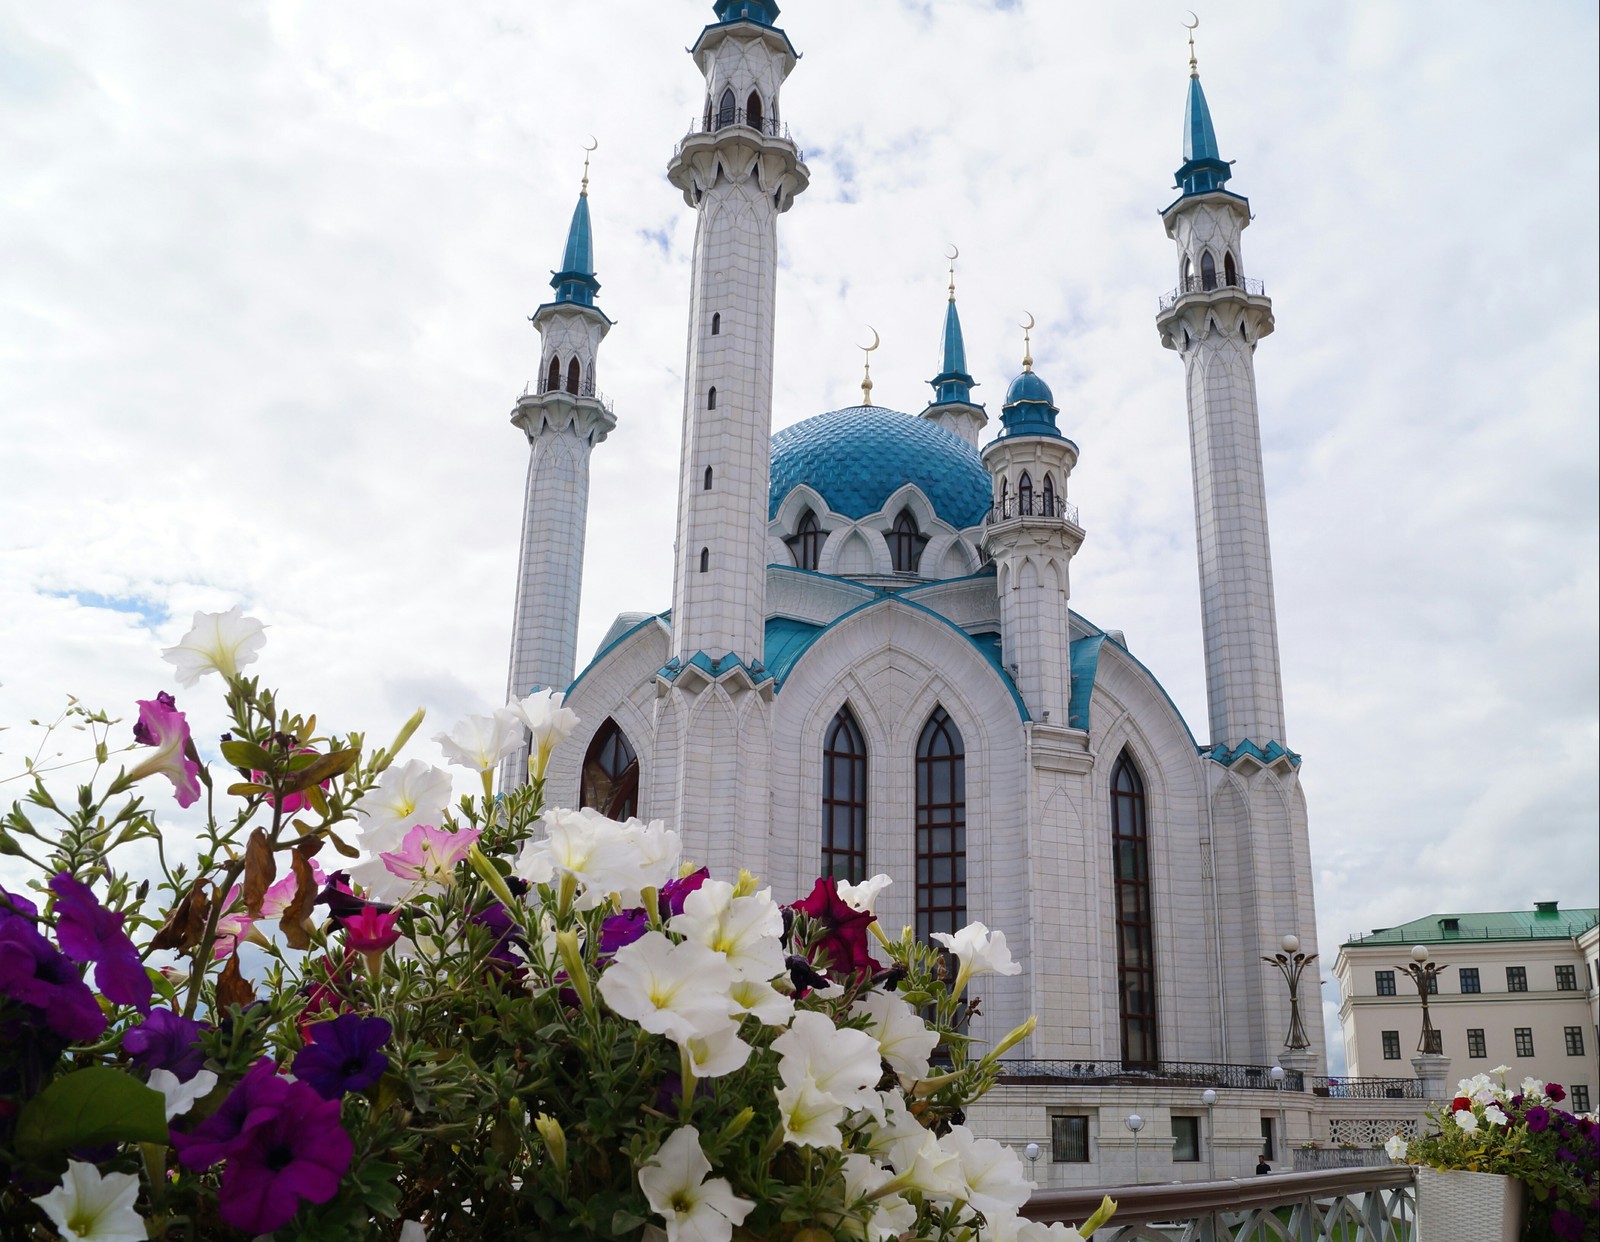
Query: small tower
point(952, 406)
point(1213, 319)
point(1032, 536)
point(563, 417)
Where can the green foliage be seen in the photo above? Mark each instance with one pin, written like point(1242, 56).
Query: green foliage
point(90, 1108)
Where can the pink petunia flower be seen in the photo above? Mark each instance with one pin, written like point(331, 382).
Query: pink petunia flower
point(371, 931)
point(162, 726)
point(429, 855)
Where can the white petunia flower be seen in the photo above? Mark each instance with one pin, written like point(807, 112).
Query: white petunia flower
point(841, 1062)
point(922, 1164)
point(695, 1209)
point(676, 990)
point(762, 1001)
point(480, 742)
point(810, 1116)
point(747, 930)
point(549, 722)
point(720, 1051)
point(1533, 1087)
point(1493, 1114)
point(890, 1122)
point(412, 1231)
point(602, 855)
point(1396, 1147)
point(1467, 1121)
point(89, 1207)
point(891, 1215)
point(863, 896)
point(180, 1096)
point(981, 953)
point(993, 1174)
point(217, 642)
point(412, 793)
point(905, 1041)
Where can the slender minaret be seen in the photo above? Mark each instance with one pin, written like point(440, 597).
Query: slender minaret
point(563, 417)
point(1214, 319)
point(739, 171)
point(1032, 536)
point(952, 406)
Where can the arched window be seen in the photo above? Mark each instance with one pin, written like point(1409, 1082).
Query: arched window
point(1005, 495)
point(725, 109)
point(1230, 274)
point(1136, 957)
point(588, 380)
point(705, 560)
point(708, 112)
point(941, 827)
point(708, 478)
point(1047, 501)
point(573, 373)
point(610, 780)
point(711, 398)
point(1025, 495)
point(806, 542)
point(844, 800)
point(1185, 272)
point(906, 543)
point(1208, 271)
point(716, 323)
point(552, 379)
point(752, 111)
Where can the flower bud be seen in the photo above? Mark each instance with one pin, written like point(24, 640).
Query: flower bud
point(577, 974)
point(555, 1138)
point(1010, 1041)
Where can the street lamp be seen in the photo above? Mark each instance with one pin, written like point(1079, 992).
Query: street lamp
point(1135, 1123)
point(1031, 1151)
point(1277, 1074)
point(1425, 975)
point(1208, 1097)
point(1290, 962)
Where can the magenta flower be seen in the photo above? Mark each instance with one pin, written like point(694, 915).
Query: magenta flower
point(838, 932)
point(298, 1151)
point(1566, 1226)
point(34, 972)
point(1538, 1118)
point(254, 1100)
point(166, 1040)
point(88, 932)
point(342, 1055)
point(622, 929)
point(675, 892)
point(372, 930)
point(162, 726)
point(429, 855)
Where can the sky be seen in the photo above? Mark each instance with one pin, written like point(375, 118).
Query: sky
point(265, 273)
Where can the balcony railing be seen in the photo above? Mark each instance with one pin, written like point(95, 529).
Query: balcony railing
point(766, 126)
point(1355, 1205)
point(1164, 1073)
point(1200, 284)
point(584, 389)
point(1038, 505)
point(1369, 1088)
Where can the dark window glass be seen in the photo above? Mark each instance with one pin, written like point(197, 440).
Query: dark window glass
point(752, 111)
point(1516, 978)
point(725, 109)
point(711, 398)
point(844, 800)
point(1477, 1046)
point(1230, 274)
point(1069, 1140)
point(552, 379)
point(716, 324)
point(1208, 271)
point(1391, 1045)
point(1047, 502)
point(1566, 978)
point(1469, 979)
point(906, 543)
point(1524, 1039)
point(1185, 1139)
point(1385, 980)
point(705, 560)
point(1433, 985)
point(807, 541)
point(1574, 1041)
point(1580, 1098)
point(708, 478)
point(941, 827)
point(1268, 1147)
point(610, 781)
point(1025, 495)
point(1136, 959)
point(574, 372)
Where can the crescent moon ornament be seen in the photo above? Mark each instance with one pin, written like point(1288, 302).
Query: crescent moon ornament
point(1193, 25)
point(866, 361)
point(594, 144)
point(876, 341)
point(1027, 343)
point(588, 151)
point(955, 252)
point(1029, 326)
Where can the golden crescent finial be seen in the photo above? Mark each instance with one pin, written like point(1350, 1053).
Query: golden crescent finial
point(876, 341)
point(955, 253)
point(593, 146)
point(1191, 27)
point(1027, 342)
point(866, 359)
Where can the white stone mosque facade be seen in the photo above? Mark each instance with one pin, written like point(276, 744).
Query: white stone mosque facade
point(874, 659)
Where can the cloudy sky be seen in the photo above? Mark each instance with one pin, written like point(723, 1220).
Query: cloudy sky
point(265, 270)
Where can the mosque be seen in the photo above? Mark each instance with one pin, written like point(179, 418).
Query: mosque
point(871, 662)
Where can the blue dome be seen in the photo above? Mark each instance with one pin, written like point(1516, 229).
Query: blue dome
point(1029, 387)
point(856, 458)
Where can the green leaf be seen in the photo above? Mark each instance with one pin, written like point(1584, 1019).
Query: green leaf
point(90, 1108)
point(322, 768)
point(242, 754)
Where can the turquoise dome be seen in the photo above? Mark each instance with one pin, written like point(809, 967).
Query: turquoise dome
point(1029, 387)
point(856, 458)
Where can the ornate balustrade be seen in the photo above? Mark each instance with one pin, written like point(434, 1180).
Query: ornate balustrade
point(1164, 1073)
point(1370, 1088)
point(1199, 284)
point(765, 126)
point(1038, 506)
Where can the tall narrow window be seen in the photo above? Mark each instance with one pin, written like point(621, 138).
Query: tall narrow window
point(610, 781)
point(806, 542)
point(1136, 964)
point(711, 398)
point(1025, 495)
point(906, 543)
point(1230, 274)
point(1185, 272)
point(716, 323)
point(573, 374)
point(725, 109)
point(588, 380)
point(941, 827)
point(708, 478)
point(844, 800)
point(705, 559)
point(1208, 271)
point(752, 111)
point(1047, 502)
point(552, 379)
point(1005, 496)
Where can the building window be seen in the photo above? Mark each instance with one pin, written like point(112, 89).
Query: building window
point(1025, 495)
point(805, 545)
point(610, 780)
point(1069, 1139)
point(725, 109)
point(1516, 978)
point(1185, 1139)
point(1136, 960)
point(1391, 1045)
point(1047, 501)
point(1230, 274)
point(716, 323)
point(844, 800)
point(708, 478)
point(1524, 1039)
point(1385, 980)
point(711, 398)
point(752, 111)
point(1566, 978)
point(1433, 984)
point(1574, 1041)
point(1469, 979)
point(941, 827)
point(574, 373)
point(1477, 1046)
point(1268, 1147)
point(705, 560)
point(1208, 271)
point(906, 543)
point(1580, 1097)
point(552, 378)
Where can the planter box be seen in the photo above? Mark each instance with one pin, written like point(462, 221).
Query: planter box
point(1468, 1207)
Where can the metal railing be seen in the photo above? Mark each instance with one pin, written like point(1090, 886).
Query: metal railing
point(767, 127)
point(585, 389)
point(1355, 1205)
point(1038, 505)
point(1369, 1088)
point(1180, 1073)
point(1199, 284)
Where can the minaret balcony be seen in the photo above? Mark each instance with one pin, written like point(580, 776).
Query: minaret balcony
point(1036, 508)
point(584, 389)
point(766, 126)
point(1199, 284)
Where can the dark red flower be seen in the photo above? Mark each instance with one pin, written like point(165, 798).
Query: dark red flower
point(836, 940)
point(1555, 1091)
point(1460, 1104)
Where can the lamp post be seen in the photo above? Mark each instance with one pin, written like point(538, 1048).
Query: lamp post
point(1031, 1151)
point(1208, 1097)
point(1425, 975)
point(1281, 1143)
point(1135, 1123)
point(1290, 962)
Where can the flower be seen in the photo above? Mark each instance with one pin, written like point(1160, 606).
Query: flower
point(166, 1041)
point(411, 793)
point(676, 990)
point(90, 1206)
point(1537, 1119)
point(371, 931)
point(993, 1174)
point(748, 931)
point(1467, 1120)
point(1566, 1226)
point(88, 932)
point(905, 1041)
point(601, 855)
point(718, 1052)
point(839, 930)
point(1396, 1147)
point(162, 726)
point(549, 722)
point(863, 896)
point(254, 1098)
point(480, 742)
point(342, 1055)
point(981, 953)
point(425, 862)
point(180, 1096)
point(34, 972)
point(1555, 1093)
point(675, 1184)
point(838, 1061)
point(1493, 1115)
point(217, 642)
point(810, 1115)
point(298, 1151)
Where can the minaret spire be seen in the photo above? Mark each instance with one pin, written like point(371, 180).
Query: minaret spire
point(952, 406)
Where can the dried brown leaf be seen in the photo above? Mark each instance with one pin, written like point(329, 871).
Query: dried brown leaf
point(187, 922)
point(232, 988)
point(260, 869)
point(297, 914)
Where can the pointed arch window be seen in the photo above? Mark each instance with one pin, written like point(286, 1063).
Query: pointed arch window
point(705, 560)
point(1136, 962)
point(1230, 274)
point(1005, 496)
point(1025, 495)
point(1047, 499)
point(610, 779)
point(844, 800)
point(1208, 271)
point(752, 111)
point(941, 827)
point(726, 108)
point(906, 543)
point(708, 479)
point(1185, 273)
point(552, 379)
point(711, 398)
point(805, 545)
point(716, 323)
point(588, 380)
point(574, 372)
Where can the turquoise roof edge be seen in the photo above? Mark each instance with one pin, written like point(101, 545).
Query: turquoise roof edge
point(1484, 926)
point(613, 645)
point(1264, 755)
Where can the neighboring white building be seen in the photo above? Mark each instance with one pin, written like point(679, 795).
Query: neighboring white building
point(1514, 988)
point(871, 662)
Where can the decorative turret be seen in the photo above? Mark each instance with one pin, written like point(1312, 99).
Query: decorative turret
point(952, 406)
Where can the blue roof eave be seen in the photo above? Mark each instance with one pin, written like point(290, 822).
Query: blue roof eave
point(581, 306)
point(744, 21)
point(1187, 197)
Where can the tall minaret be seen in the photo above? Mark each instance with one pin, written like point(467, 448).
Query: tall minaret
point(739, 171)
point(563, 416)
point(1213, 319)
point(1032, 536)
point(952, 406)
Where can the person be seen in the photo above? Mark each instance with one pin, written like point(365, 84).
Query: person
point(1262, 1166)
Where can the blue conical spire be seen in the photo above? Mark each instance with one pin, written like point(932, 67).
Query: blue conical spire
point(1030, 408)
point(575, 281)
point(763, 12)
point(1203, 169)
point(952, 384)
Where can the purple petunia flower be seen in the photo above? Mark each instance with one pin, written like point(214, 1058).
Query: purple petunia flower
point(162, 727)
point(34, 972)
point(142, 732)
point(255, 1099)
point(1565, 1225)
point(622, 929)
point(507, 932)
point(342, 1055)
point(88, 932)
point(675, 892)
point(299, 1151)
point(1538, 1118)
point(166, 1040)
